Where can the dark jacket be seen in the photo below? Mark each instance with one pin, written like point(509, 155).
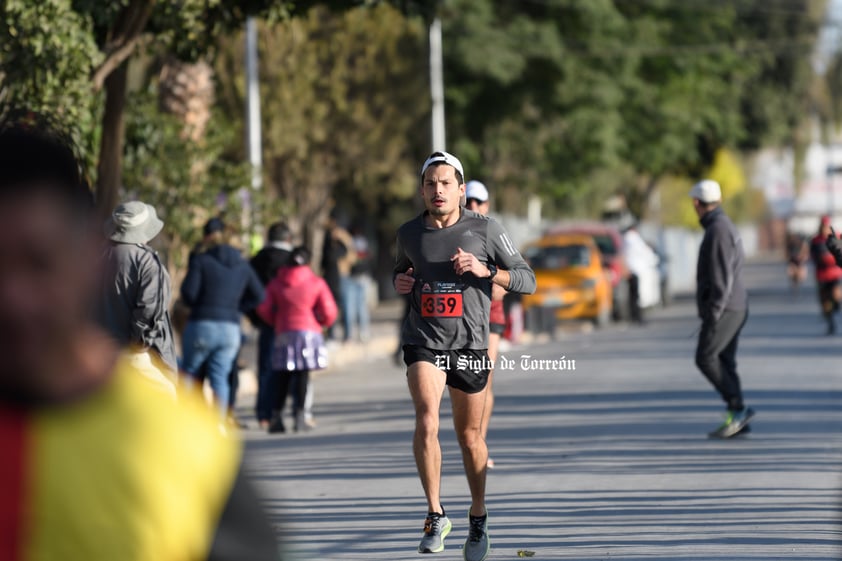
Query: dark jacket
point(269, 259)
point(220, 285)
point(719, 274)
point(135, 300)
point(835, 247)
point(266, 264)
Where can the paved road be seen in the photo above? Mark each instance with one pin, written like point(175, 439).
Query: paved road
point(607, 461)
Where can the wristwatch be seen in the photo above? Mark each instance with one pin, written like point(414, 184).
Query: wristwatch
point(492, 271)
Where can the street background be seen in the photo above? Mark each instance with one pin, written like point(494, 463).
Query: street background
point(609, 461)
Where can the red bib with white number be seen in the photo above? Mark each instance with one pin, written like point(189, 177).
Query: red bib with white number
point(441, 300)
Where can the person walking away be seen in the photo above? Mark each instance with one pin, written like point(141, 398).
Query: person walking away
point(346, 258)
point(97, 464)
point(722, 303)
point(299, 305)
point(266, 263)
point(220, 284)
point(136, 294)
point(360, 280)
point(447, 259)
point(477, 200)
point(798, 253)
point(336, 264)
point(828, 274)
point(642, 262)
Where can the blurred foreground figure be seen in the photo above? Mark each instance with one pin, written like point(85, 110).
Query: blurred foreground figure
point(722, 302)
point(97, 464)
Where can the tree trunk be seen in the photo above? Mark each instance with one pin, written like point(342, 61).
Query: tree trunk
point(109, 170)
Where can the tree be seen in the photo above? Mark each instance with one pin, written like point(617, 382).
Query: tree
point(344, 97)
point(574, 100)
point(71, 57)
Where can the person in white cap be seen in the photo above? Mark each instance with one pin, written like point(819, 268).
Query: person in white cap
point(722, 303)
point(447, 262)
point(476, 199)
point(136, 294)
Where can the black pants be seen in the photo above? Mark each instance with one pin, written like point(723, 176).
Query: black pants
point(634, 299)
point(298, 380)
point(716, 355)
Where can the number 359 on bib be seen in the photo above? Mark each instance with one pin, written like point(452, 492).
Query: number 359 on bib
point(441, 305)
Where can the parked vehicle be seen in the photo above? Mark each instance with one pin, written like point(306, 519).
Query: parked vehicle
point(609, 240)
point(570, 278)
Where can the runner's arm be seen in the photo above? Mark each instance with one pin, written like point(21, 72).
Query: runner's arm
point(513, 273)
point(401, 275)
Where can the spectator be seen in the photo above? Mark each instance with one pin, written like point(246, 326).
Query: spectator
point(266, 264)
point(219, 285)
point(96, 463)
point(357, 290)
point(337, 259)
point(136, 294)
point(642, 262)
point(298, 304)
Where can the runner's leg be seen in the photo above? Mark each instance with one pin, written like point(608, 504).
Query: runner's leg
point(426, 386)
point(467, 420)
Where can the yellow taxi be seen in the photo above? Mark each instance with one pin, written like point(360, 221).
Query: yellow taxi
point(570, 277)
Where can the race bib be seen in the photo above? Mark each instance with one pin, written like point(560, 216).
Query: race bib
point(441, 300)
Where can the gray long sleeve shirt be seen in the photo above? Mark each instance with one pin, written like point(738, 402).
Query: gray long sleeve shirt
point(449, 311)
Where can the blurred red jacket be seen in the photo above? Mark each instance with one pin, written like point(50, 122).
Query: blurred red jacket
point(826, 268)
point(298, 300)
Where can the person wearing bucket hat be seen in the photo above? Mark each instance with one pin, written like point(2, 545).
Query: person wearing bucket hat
point(136, 293)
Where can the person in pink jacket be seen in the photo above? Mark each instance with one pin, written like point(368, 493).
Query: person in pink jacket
point(299, 305)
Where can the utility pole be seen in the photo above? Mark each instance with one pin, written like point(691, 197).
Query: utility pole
point(437, 85)
point(253, 129)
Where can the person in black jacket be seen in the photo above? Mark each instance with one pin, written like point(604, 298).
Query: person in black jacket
point(722, 303)
point(219, 286)
point(273, 256)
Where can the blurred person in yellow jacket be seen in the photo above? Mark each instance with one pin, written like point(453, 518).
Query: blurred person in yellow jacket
point(97, 464)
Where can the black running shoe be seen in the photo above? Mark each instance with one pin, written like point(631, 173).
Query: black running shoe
point(477, 545)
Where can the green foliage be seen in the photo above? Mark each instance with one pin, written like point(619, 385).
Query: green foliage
point(343, 100)
point(46, 54)
point(188, 182)
point(552, 97)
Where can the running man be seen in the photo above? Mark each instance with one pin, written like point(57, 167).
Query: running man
point(476, 199)
point(447, 259)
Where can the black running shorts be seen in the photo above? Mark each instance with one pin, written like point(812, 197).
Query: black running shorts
point(466, 370)
point(497, 328)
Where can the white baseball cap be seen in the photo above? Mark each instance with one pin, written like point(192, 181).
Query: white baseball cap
point(444, 158)
point(476, 190)
point(707, 191)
